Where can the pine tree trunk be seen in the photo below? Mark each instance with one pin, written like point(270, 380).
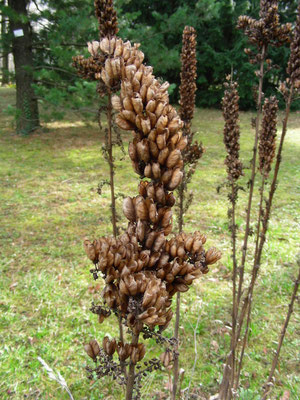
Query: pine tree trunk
point(26, 102)
point(4, 79)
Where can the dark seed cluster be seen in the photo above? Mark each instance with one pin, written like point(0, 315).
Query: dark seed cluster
point(230, 105)
point(267, 135)
point(266, 31)
point(107, 17)
point(188, 77)
point(293, 68)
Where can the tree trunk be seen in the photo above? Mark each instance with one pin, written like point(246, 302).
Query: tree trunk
point(26, 102)
point(4, 79)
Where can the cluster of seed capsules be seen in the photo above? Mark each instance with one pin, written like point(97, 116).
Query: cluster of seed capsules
point(125, 351)
point(230, 106)
point(267, 135)
point(141, 268)
point(267, 30)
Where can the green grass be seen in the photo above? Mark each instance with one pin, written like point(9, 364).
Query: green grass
point(49, 204)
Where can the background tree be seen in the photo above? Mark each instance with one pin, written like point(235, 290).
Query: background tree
point(60, 30)
point(26, 101)
point(4, 49)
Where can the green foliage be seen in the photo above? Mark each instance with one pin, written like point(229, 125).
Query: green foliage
point(61, 30)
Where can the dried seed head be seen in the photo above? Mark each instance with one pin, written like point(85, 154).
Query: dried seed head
point(267, 30)
point(92, 349)
point(188, 77)
point(267, 135)
point(230, 105)
point(141, 269)
point(293, 68)
point(107, 17)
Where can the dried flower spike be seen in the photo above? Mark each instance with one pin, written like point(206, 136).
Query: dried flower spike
point(188, 77)
point(267, 137)
point(107, 17)
point(267, 30)
point(293, 68)
point(230, 105)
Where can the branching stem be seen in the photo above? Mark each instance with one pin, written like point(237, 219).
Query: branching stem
point(253, 173)
point(131, 369)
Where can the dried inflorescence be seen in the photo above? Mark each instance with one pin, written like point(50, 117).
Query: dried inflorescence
point(267, 136)
point(141, 268)
point(230, 105)
point(107, 17)
point(267, 30)
point(293, 68)
point(90, 68)
point(193, 151)
point(188, 77)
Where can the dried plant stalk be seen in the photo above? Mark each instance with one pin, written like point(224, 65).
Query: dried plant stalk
point(192, 152)
point(142, 269)
point(230, 106)
point(107, 17)
point(262, 33)
point(91, 69)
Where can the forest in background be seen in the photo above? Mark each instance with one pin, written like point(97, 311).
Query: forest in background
point(59, 30)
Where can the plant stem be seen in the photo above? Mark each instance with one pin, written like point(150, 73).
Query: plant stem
point(225, 386)
point(260, 214)
point(111, 183)
point(111, 165)
point(237, 380)
point(234, 276)
point(253, 173)
point(181, 199)
point(282, 334)
point(248, 298)
point(131, 369)
point(176, 335)
point(177, 320)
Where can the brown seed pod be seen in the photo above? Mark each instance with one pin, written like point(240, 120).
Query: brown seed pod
point(176, 179)
point(123, 123)
point(141, 208)
point(143, 150)
point(92, 349)
point(166, 358)
point(129, 209)
point(173, 158)
point(109, 346)
point(137, 104)
point(212, 256)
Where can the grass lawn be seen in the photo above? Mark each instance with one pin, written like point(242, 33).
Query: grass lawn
point(49, 203)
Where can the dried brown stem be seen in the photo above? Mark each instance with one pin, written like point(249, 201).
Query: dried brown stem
point(227, 380)
point(176, 360)
point(265, 220)
point(234, 276)
point(112, 186)
point(131, 369)
point(282, 335)
point(253, 173)
point(260, 214)
point(111, 165)
point(245, 338)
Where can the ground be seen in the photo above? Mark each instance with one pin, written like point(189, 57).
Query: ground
point(49, 204)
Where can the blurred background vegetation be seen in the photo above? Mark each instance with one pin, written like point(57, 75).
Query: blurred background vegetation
point(60, 29)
